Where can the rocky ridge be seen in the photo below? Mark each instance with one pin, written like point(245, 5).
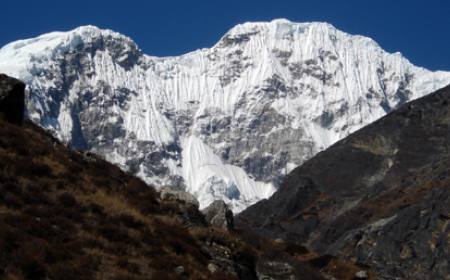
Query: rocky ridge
point(380, 196)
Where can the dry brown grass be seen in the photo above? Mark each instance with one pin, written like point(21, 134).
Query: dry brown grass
point(65, 217)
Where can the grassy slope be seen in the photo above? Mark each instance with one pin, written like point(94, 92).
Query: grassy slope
point(68, 216)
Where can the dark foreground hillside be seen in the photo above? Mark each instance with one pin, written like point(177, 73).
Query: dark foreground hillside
point(71, 215)
point(67, 216)
point(381, 196)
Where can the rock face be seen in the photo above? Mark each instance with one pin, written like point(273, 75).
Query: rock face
point(185, 204)
point(381, 196)
point(12, 99)
point(225, 123)
point(218, 214)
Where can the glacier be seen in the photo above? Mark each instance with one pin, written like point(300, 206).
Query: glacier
point(226, 122)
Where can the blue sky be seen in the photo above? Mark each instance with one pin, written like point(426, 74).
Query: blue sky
point(418, 29)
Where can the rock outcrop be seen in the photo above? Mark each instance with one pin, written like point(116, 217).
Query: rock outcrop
point(218, 214)
point(12, 99)
point(381, 196)
point(185, 206)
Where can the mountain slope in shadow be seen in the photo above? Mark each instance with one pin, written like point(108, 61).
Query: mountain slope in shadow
point(380, 196)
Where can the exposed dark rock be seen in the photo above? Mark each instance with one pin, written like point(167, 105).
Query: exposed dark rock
point(378, 197)
point(12, 99)
point(228, 39)
point(218, 214)
point(326, 119)
point(187, 212)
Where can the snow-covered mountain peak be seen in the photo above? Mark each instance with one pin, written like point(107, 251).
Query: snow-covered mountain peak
point(17, 56)
point(92, 30)
point(69, 39)
point(227, 122)
point(284, 34)
point(277, 25)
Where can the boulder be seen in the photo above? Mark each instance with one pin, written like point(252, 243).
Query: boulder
point(185, 206)
point(213, 268)
point(361, 274)
point(219, 214)
point(12, 99)
point(179, 269)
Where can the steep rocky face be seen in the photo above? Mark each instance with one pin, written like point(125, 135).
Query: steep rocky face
point(12, 99)
point(381, 196)
point(225, 123)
